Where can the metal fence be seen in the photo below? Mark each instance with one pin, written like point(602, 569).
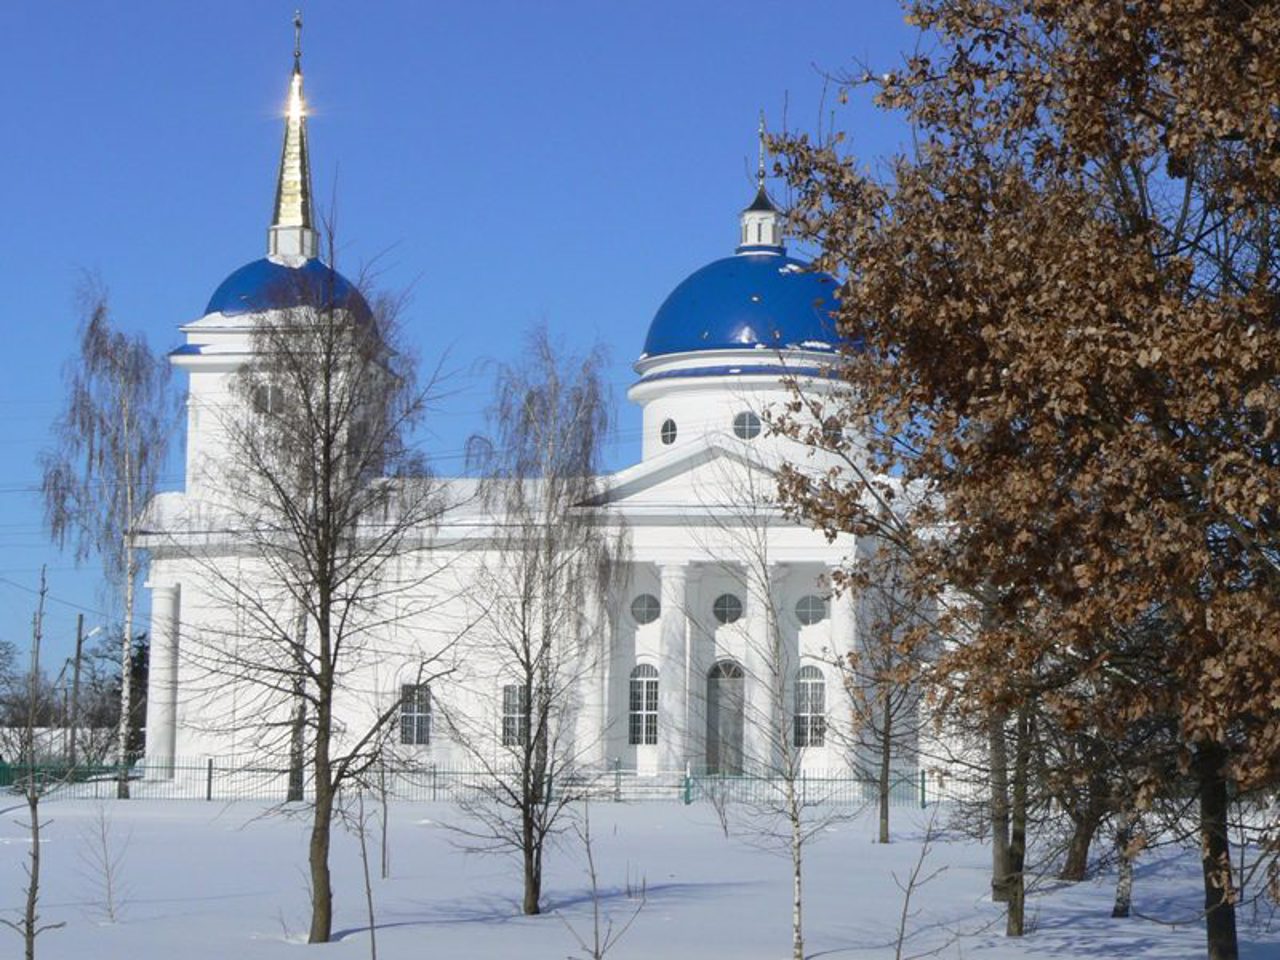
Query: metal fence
point(214, 780)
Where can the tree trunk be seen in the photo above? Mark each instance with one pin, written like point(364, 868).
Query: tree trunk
point(318, 859)
point(297, 747)
point(1124, 882)
point(30, 917)
point(75, 690)
point(1017, 889)
point(997, 758)
point(532, 872)
point(1084, 826)
point(886, 751)
point(321, 827)
point(298, 728)
point(797, 873)
point(1215, 847)
point(322, 765)
point(126, 673)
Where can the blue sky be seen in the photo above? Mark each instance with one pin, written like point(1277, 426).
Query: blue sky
point(506, 163)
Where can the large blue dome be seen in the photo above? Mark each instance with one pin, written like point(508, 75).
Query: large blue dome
point(268, 285)
point(752, 300)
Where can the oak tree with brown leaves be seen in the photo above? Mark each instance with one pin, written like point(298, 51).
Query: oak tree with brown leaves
point(1065, 306)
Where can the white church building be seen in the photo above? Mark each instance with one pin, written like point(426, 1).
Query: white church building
point(681, 676)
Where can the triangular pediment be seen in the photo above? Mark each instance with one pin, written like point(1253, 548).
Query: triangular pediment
point(701, 476)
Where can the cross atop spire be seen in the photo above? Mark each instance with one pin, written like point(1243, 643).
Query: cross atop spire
point(760, 168)
point(292, 233)
point(761, 222)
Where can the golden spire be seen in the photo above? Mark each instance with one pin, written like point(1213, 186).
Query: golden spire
point(292, 232)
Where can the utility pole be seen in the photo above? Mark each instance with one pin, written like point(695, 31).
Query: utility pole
point(75, 688)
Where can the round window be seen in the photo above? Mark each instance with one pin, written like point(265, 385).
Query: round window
point(811, 609)
point(668, 432)
point(645, 608)
point(727, 608)
point(746, 425)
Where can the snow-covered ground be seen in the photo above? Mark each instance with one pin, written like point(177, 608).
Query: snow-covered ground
point(202, 881)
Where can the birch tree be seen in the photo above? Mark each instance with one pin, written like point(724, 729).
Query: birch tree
point(785, 704)
point(109, 449)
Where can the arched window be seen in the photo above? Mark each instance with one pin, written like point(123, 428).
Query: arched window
point(726, 709)
point(645, 608)
point(415, 714)
point(727, 608)
point(643, 724)
point(515, 715)
point(746, 425)
point(811, 708)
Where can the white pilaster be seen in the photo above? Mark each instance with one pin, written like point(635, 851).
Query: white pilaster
point(843, 618)
point(591, 719)
point(673, 678)
point(844, 624)
point(162, 682)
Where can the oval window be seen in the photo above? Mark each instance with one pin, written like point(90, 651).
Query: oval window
point(668, 432)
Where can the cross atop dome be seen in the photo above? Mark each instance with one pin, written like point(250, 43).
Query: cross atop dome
point(761, 222)
point(292, 232)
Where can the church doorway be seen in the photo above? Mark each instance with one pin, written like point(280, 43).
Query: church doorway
point(725, 708)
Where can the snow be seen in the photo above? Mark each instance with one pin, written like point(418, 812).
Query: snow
point(205, 880)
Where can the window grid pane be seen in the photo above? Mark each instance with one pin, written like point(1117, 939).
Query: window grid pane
point(642, 720)
point(810, 722)
point(415, 714)
point(515, 715)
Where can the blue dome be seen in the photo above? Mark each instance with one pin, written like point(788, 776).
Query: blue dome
point(746, 301)
point(267, 285)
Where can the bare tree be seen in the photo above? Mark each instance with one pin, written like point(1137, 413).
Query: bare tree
point(882, 675)
point(541, 585)
point(784, 706)
point(308, 525)
point(110, 445)
point(915, 880)
point(103, 857)
point(604, 934)
point(34, 782)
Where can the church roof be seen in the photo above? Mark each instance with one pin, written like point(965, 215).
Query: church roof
point(752, 300)
point(269, 284)
point(762, 203)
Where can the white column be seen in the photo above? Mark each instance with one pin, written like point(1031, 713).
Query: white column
point(766, 667)
point(162, 682)
point(673, 693)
